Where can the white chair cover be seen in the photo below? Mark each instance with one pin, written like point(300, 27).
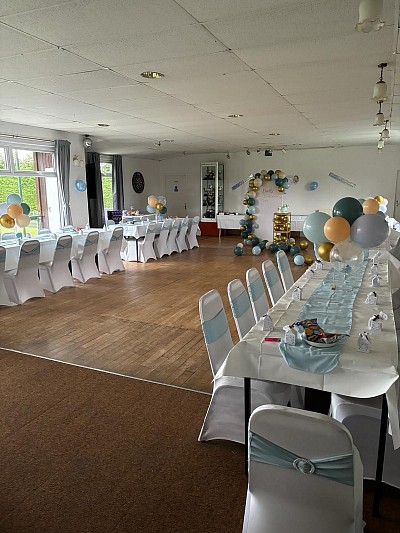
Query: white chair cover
point(258, 298)
point(56, 274)
point(241, 307)
point(84, 264)
point(23, 283)
point(172, 247)
point(362, 417)
point(284, 269)
point(225, 415)
point(293, 497)
point(145, 245)
point(274, 285)
point(110, 223)
point(191, 236)
point(161, 241)
point(181, 237)
point(110, 258)
point(4, 298)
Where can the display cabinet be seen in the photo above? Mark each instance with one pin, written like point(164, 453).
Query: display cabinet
point(281, 227)
point(212, 191)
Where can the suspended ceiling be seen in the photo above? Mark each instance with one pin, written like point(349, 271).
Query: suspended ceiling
point(293, 67)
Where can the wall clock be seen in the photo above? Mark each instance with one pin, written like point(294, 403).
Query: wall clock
point(138, 182)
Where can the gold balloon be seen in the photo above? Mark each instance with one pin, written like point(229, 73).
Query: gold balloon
point(243, 228)
point(7, 222)
point(303, 244)
point(267, 177)
point(281, 188)
point(324, 250)
point(308, 260)
point(277, 172)
point(255, 189)
point(250, 236)
point(370, 206)
point(252, 217)
point(245, 201)
point(159, 206)
point(251, 184)
point(380, 199)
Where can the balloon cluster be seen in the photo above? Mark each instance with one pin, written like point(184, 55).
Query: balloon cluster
point(294, 250)
point(14, 211)
point(361, 223)
point(248, 224)
point(156, 203)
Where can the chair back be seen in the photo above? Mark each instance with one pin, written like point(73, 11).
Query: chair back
point(258, 298)
point(91, 243)
point(192, 232)
point(241, 307)
point(8, 237)
point(62, 252)
point(284, 269)
point(215, 328)
point(304, 474)
point(3, 255)
point(29, 256)
point(150, 231)
point(274, 284)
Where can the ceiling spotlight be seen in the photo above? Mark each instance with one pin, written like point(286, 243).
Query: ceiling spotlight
point(379, 117)
point(151, 75)
point(381, 143)
point(386, 133)
point(370, 13)
point(157, 143)
point(274, 134)
point(248, 151)
point(87, 142)
point(235, 115)
point(103, 125)
point(228, 155)
point(380, 87)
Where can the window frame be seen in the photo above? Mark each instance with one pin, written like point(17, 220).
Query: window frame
point(9, 146)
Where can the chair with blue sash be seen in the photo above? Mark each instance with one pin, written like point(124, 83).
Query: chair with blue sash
point(225, 415)
point(191, 236)
point(146, 245)
point(274, 284)
point(4, 298)
point(84, 263)
point(160, 241)
point(305, 474)
point(172, 247)
point(258, 298)
point(241, 307)
point(181, 237)
point(284, 270)
point(55, 274)
point(23, 282)
point(110, 258)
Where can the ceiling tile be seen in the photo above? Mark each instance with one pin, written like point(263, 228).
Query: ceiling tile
point(14, 43)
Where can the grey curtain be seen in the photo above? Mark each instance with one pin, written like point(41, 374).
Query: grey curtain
point(62, 164)
point(117, 182)
point(94, 190)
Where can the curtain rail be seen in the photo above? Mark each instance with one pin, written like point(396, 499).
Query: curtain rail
point(14, 136)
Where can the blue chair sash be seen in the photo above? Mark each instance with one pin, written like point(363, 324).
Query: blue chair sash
point(337, 468)
point(283, 263)
point(3, 254)
point(256, 290)
point(117, 237)
point(240, 304)
point(33, 251)
point(215, 328)
point(271, 278)
point(92, 240)
point(61, 246)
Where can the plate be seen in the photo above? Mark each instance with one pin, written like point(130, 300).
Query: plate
point(324, 344)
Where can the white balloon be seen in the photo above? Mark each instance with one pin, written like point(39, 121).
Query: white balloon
point(258, 182)
point(239, 245)
point(385, 202)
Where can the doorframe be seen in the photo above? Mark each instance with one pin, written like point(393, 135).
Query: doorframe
point(180, 176)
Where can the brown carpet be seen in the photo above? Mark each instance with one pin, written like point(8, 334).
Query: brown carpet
point(83, 451)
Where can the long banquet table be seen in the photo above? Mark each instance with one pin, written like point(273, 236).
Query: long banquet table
point(357, 374)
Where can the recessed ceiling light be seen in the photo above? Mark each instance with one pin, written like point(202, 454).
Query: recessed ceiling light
point(103, 125)
point(235, 115)
point(151, 75)
point(274, 134)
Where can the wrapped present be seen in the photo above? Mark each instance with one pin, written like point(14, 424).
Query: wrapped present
point(376, 321)
point(364, 342)
point(289, 336)
point(268, 325)
point(372, 298)
point(297, 293)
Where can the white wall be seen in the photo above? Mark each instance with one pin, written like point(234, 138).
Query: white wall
point(152, 185)
point(78, 199)
point(373, 174)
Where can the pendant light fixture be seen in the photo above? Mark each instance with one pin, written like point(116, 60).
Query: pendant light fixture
point(386, 132)
point(379, 117)
point(381, 143)
point(370, 14)
point(380, 87)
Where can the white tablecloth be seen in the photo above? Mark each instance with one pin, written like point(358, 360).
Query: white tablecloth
point(229, 221)
point(357, 374)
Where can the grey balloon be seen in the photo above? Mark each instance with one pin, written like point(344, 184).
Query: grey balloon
point(369, 231)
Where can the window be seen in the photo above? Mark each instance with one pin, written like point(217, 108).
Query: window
point(28, 170)
point(106, 181)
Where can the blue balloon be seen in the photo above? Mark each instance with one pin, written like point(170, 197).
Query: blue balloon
point(283, 246)
point(273, 247)
point(286, 185)
point(13, 199)
point(238, 250)
point(25, 208)
point(150, 209)
point(279, 182)
point(244, 234)
point(163, 210)
point(298, 260)
point(256, 250)
point(294, 250)
point(19, 235)
point(274, 176)
point(270, 172)
point(80, 185)
point(382, 208)
point(255, 241)
point(255, 225)
point(313, 186)
point(248, 242)
point(251, 201)
point(242, 221)
point(251, 210)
